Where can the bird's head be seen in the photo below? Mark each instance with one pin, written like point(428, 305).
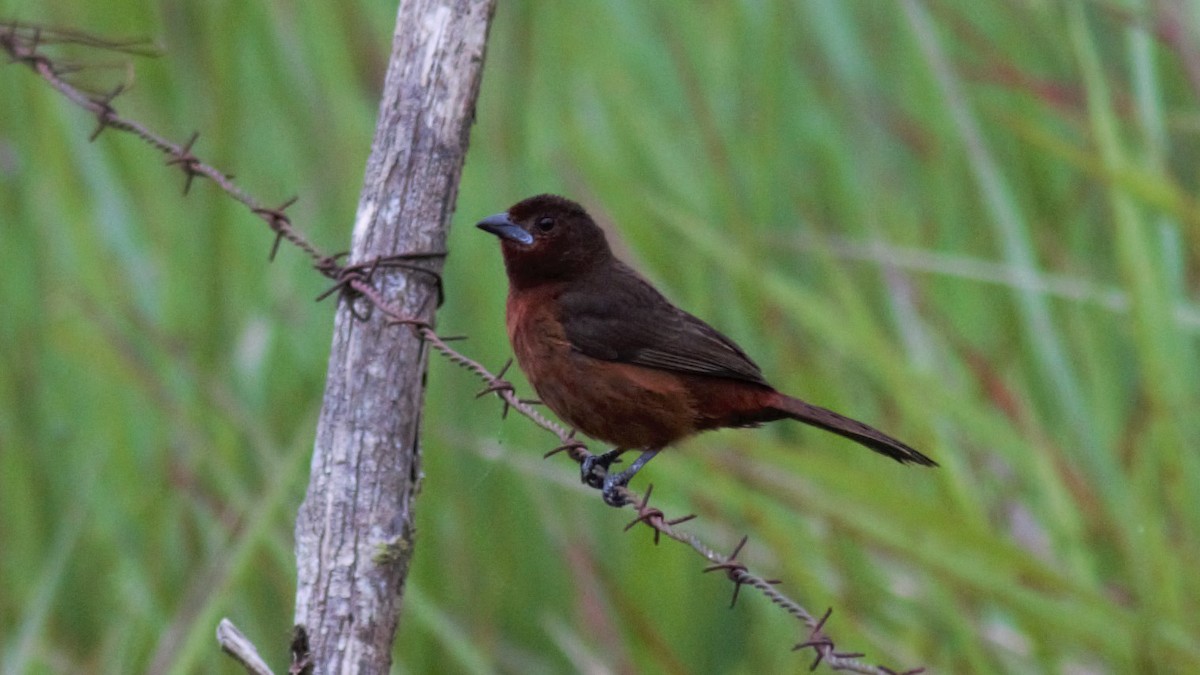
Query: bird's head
point(547, 238)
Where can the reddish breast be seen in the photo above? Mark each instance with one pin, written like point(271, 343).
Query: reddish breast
point(627, 405)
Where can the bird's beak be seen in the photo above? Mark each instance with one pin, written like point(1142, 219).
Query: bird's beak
point(504, 228)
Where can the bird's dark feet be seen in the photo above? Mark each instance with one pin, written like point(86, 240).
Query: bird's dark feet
point(607, 482)
point(587, 468)
point(611, 489)
point(615, 482)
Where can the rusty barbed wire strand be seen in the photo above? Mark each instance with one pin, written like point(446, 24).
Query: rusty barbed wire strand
point(739, 574)
point(21, 42)
point(353, 281)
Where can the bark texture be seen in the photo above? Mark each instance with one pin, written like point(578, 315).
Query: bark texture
point(354, 530)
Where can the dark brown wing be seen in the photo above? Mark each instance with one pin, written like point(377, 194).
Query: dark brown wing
point(631, 322)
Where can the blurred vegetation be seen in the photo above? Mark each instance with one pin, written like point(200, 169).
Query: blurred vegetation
point(972, 224)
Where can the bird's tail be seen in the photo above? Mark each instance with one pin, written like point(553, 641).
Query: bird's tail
point(849, 428)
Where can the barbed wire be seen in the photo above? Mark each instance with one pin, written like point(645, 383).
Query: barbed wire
point(353, 282)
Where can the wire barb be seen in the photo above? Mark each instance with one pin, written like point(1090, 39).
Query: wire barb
point(278, 221)
point(653, 517)
point(734, 569)
point(106, 113)
point(570, 445)
point(498, 385)
point(820, 643)
point(185, 160)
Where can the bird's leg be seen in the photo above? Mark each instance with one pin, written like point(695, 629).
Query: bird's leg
point(603, 461)
point(619, 480)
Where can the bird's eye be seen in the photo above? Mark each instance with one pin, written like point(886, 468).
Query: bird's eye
point(545, 224)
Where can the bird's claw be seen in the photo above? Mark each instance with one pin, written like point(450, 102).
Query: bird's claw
point(611, 489)
point(611, 484)
point(599, 480)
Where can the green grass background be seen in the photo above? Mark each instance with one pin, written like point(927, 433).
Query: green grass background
point(972, 224)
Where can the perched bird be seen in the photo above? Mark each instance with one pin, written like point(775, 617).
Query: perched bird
point(616, 360)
